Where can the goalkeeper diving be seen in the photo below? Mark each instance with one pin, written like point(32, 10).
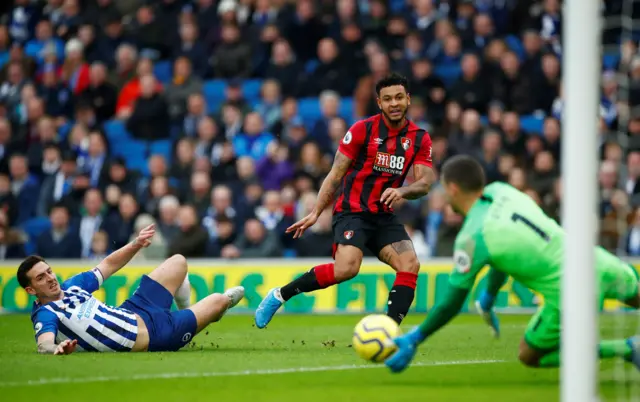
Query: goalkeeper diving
point(506, 230)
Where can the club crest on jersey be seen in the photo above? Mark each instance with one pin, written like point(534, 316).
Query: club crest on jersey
point(406, 144)
point(348, 234)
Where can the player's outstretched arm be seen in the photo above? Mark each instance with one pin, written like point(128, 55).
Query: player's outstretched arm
point(47, 345)
point(495, 280)
point(119, 258)
point(328, 189)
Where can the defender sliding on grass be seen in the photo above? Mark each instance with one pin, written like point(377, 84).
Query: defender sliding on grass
point(66, 316)
point(505, 229)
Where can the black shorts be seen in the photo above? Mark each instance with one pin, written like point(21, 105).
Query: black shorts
point(367, 231)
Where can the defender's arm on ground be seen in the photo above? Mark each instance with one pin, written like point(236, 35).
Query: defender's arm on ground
point(47, 345)
point(119, 258)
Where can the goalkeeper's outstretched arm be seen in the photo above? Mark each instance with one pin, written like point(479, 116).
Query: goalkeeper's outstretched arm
point(444, 312)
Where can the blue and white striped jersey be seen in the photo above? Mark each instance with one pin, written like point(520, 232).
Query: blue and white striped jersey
point(79, 315)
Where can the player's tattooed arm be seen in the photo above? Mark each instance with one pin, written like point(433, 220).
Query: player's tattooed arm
point(424, 179)
point(330, 185)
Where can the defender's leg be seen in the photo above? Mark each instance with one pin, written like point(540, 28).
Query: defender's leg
point(396, 250)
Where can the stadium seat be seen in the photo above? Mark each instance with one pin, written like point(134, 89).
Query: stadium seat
point(63, 132)
point(116, 131)
point(449, 73)
point(35, 227)
point(346, 109)
point(163, 70)
point(515, 45)
point(309, 109)
point(290, 253)
point(162, 147)
point(214, 93)
point(251, 89)
point(129, 148)
point(531, 124)
point(610, 61)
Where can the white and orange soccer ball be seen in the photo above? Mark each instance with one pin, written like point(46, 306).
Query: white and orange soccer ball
point(373, 337)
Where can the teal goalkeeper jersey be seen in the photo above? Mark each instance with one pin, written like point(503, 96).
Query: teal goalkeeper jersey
point(507, 230)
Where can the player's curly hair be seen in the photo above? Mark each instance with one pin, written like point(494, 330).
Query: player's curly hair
point(466, 172)
point(391, 80)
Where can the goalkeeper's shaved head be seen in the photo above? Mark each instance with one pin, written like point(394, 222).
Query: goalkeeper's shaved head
point(465, 172)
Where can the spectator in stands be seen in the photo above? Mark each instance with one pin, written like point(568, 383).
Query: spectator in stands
point(447, 232)
point(284, 67)
point(157, 250)
point(471, 90)
point(119, 176)
point(91, 217)
point(329, 108)
point(199, 194)
point(275, 169)
point(512, 87)
point(11, 240)
point(46, 132)
point(184, 84)
point(253, 141)
point(254, 242)
point(196, 111)
point(130, 91)
point(548, 83)
point(269, 106)
point(99, 246)
point(119, 225)
point(329, 74)
point(126, 65)
point(57, 97)
point(469, 138)
point(149, 120)
point(12, 85)
point(631, 181)
point(318, 241)
point(544, 173)
point(61, 241)
point(208, 140)
point(613, 226)
point(168, 209)
point(8, 144)
point(25, 187)
point(513, 140)
point(231, 121)
point(631, 241)
point(193, 238)
point(44, 36)
point(149, 33)
point(70, 19)
point(8, 202)
point(224, 166)
point(100, 94)
point(75, 71)
point(232, 58)
point(225, 235)
point(272, 215)
point(66, 187)
point(192, 48)
point(94, 164)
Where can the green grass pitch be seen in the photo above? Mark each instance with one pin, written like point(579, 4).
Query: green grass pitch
point(297, 358)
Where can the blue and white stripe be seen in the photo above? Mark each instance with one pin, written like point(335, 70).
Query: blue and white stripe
point(96, 326)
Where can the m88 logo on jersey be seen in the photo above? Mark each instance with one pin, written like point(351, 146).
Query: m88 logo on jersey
point(388, 163)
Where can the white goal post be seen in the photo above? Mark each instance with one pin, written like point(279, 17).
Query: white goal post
point(581, 77)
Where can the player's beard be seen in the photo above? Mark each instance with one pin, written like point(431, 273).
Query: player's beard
point(396, 121)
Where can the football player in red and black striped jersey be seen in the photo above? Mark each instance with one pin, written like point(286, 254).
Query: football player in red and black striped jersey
point(369, 169)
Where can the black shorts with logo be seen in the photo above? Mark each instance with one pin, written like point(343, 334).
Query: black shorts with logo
point(367, 231)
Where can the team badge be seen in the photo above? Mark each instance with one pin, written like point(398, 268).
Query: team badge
point(406, 143)
point(348, 234)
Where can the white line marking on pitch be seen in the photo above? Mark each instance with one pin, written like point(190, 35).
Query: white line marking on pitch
point(154, 376)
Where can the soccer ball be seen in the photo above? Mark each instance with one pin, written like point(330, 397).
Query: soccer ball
point(373, 337)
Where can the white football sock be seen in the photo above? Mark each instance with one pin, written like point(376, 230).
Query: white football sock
point(183, 294)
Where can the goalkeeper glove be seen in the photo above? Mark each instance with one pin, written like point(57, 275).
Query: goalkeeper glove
point(484, 305)
point(407, 346)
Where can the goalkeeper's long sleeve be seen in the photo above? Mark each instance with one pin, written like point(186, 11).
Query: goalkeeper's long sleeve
point(444, 312)
point(495, 280)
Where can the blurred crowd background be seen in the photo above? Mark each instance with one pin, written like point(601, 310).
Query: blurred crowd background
point(218, 119)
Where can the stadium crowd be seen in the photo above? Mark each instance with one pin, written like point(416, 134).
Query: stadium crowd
point(218, 119)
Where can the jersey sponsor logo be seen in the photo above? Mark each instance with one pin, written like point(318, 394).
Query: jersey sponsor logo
point(347, 138)
point(388, 163)
point(462, 261)
point(348, 234)
point(38, 327)
point(406, 143)
point(186, 337)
